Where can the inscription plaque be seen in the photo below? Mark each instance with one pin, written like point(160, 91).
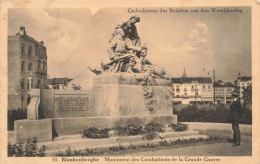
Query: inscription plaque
point(70, 103)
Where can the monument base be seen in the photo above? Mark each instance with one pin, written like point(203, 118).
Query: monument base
point(47, 129)
point(76, 125)
point(28, 129)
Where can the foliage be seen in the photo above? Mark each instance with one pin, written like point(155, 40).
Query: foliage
point(29, 149)
point(151, 130)
point(70, 152)
point(94, 132)
point(15, 114)
point(221, 114)
point(130, 130)
point(117, 148)
point(188, 141)
point(179, 127)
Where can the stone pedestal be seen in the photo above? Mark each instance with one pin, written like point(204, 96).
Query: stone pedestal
point(130, 100)
point(118, 95)
point(28, 129)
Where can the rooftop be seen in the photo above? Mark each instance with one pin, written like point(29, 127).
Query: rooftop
point(245, 78)
point(191, 79)
point(22, 33)
point(227, 84)
point(58, 81)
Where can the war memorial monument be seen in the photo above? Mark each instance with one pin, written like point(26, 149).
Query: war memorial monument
point(127, 90)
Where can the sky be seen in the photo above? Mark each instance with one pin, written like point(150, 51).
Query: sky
point(199, 42)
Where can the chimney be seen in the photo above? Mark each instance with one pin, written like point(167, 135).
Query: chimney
point(22, 31)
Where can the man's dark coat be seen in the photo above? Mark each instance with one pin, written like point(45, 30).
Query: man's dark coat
point(236, 111)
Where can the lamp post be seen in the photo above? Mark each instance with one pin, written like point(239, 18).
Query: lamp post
point(195, 94)
point(214, 98)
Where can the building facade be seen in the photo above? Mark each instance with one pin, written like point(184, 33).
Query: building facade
point(243, 83)
point(58, 83)
point(189, 90)
point(223, 92)
point(27, 68)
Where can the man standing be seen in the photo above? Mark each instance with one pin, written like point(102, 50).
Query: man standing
point(236, 114)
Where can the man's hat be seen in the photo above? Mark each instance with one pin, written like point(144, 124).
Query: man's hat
point(235, 93)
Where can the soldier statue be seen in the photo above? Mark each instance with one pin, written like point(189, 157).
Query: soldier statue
point(124, 45)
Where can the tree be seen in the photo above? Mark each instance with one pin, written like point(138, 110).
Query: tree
point(20, 91)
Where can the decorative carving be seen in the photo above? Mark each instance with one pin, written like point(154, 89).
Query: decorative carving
point(150, 101)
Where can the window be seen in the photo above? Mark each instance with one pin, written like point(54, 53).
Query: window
point(192, 87)
point(178, 88)
point(204, 86)
point(209, 87)
point(31, 83)
point(22, 84)
point(38, 83)
point(22, 49)
point(30, 51)
point(39, 64)
point(28, 84)
point(44, 66)
point(185, 93)
point(22, 66)
point(30, 67)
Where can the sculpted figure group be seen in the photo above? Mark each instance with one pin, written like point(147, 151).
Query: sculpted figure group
point(126, 52)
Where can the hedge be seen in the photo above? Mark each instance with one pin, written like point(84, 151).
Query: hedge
point(13, 115)
point(221, 114)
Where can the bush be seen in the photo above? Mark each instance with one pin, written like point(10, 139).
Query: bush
point(221, 114)
point(95, 133)
point(130, 130)
point(246, 117)
point(151, 130)
point(179, 127)
point(26, 150)
point(13, 115)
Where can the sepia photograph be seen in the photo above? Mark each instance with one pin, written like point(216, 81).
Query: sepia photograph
point(130, 84)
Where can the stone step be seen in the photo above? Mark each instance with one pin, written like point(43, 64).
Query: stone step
point(97, 145)
point(78, 143)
